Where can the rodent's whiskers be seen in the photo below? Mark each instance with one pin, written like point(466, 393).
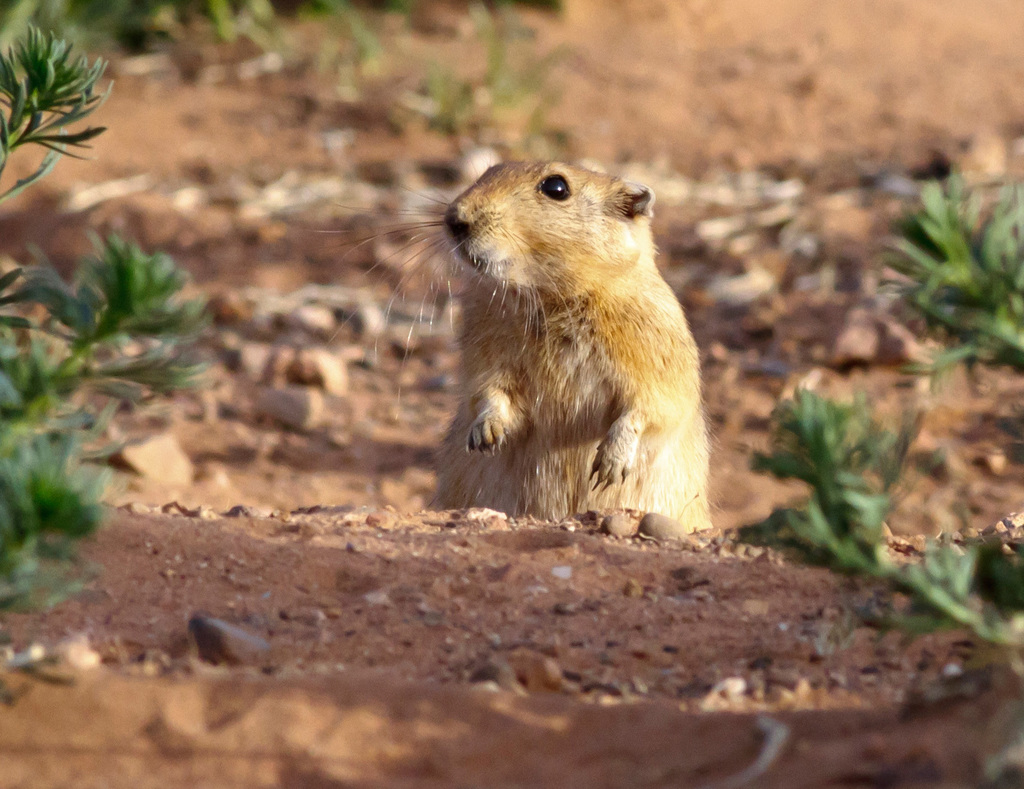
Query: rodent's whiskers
point(441, 201)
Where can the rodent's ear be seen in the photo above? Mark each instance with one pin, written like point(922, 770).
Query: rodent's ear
point(636, 200)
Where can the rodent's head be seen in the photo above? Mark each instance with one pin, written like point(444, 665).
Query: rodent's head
point(550, 226)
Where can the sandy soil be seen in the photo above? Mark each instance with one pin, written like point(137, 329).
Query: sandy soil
point(407, 647)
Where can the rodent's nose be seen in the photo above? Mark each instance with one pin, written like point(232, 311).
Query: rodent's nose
point(457, 226)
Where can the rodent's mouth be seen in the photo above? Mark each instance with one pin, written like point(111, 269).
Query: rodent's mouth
point(479, 262)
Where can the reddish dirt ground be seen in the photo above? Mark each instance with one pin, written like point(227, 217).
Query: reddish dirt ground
point(415, 648)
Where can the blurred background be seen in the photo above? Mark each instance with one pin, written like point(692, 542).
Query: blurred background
point(292, 155)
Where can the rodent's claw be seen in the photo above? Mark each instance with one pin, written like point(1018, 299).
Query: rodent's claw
point(486, 435)
point(616, 455)
point(608, 470)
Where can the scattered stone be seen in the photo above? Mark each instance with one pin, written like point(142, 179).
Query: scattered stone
point(35, 654)
point(720, 229)
point(267, 63)
point(858, 340)
point(742, 288)
point(536, 672)
point(897, 184)
point(725, 694)
point(731, 688)
point(994, 462)
point(245, 511)
point(633, 588)
point(177, 508)
point(318, 367)
point(297, 407)
point(160, 458)
point(83, 198)
point(313, 319)
point(1010, 522)
point(221, 643)
point(898, 344)
point(797, 241)
point(254, 358)
point(951, 671)
point(501, 674)
point(562, 571)
point(788, 190)
point(229, 306)
point(378, 597)
point(776, 216)
point(743, 246)
point(986, 158)
point(77, 653)
point(381, 519)
point(368, 321)
point(661, 527)
point(618, 525)
point(484, 514)
point(135, 508)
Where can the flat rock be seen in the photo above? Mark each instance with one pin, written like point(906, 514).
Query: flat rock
point(319, 367)
point(313, 319)
point(858, 340)
point(297, 407)
point(368, 321)
point(161, 458)
point(661, 527)
point(223, 643)
point(253, 358)
point(618, 525)
point(867, 337)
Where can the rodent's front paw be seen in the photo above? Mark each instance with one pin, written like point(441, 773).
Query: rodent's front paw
point(616, 456)
point(486, 435)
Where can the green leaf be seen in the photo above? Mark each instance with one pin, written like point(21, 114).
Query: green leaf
point(48, 163)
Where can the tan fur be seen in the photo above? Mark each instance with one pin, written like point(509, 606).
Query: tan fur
point(574, 350)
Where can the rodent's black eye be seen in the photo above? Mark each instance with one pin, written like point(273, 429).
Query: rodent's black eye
point(555, 187)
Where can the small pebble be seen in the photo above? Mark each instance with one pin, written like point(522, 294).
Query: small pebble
point(379, 597)
point(245, 511)
point(731, 688)
point(78, 653)
point(661, 527)
point(501, 674)
point(618, 525)
point(220, 642)
point(296, 407)
point(951, 671)
point(562, 571)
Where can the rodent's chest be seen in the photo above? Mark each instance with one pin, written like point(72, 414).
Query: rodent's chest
point(553, 362)
point(568, 372)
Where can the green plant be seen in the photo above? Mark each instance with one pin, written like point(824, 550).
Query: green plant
point(43, 91)
point(118, 334)
point(47, 502)
point(851, 464)
point(70, 354)
point(965, 275)
point(136, 23)
point(511, 90)
point(351, 50)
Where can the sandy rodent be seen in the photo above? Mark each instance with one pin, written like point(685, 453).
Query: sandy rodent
point(580, 380)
